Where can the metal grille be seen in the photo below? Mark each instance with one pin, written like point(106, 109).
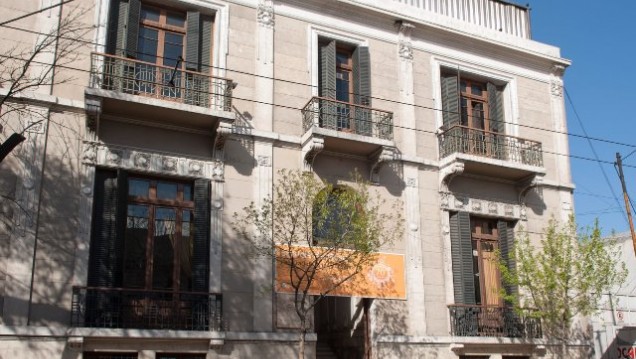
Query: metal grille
point(144, 309)
point(492, 321)
point(490, 144)
point(347, 117)
point(135, 77)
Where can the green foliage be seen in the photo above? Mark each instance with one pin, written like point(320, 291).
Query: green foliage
point(342, 227)
point(563, 277)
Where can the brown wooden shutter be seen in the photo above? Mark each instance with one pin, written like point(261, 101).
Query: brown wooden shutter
point(201, 239)
point(462, 258)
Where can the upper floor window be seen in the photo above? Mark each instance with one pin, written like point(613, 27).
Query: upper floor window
point(345, 87)
point(160, 35)
point(472, 103)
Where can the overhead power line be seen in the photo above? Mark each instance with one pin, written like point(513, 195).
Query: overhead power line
point(34, 12)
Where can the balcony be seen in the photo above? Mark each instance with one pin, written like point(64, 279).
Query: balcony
point(147, 91)
point(347, 128)
point(144, 309)
point(492, 321)
point(491, 154)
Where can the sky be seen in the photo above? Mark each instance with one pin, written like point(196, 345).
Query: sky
point(599, 38)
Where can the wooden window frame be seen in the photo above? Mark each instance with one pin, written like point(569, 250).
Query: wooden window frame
point(162, 27)
point(479, 238)
point(348, 68)
point(472, 98)
point(153, 202)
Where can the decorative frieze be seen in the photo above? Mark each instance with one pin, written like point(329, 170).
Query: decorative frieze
point(265, 15)
point(97, 154)
point(405, 49)
point(480, 206)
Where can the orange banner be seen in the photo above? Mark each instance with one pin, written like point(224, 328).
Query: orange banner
point(382, 277)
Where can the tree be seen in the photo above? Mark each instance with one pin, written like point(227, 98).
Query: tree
point(25, 68)
point(565, 277)
point(319, 234)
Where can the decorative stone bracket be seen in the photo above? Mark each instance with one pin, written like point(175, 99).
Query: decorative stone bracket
point(380, 158)
point(447, 174)
point(93, 108)
point(311, 148)
point(223, 132)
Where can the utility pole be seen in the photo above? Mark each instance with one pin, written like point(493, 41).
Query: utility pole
point(619, 163)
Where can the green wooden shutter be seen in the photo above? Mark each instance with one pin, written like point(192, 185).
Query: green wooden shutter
point(201, 240)
point(450, 100)
point(107, 230)
point(132, 27)
point(506, 247)
point(362, 89)
point(193, 41)
point(207, 22)
point(115, 36)
point(327, 85)
point(462, 258)
point(121, 224)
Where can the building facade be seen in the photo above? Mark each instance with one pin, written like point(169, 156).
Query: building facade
point(116, 237)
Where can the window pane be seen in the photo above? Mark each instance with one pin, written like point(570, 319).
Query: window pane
point(173, 48)
point(476, 281)
point(147, 44)
point(138, 187)
point(176, 19)
point(462, 86)
point(476, 89)
point(342, 85)
point(186, 247)
point(135, 246)
point(187, 192)
point(166, 190)
point(342, 58)
point(149, 13)
point(163, 248)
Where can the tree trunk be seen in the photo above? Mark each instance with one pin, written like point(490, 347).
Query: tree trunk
point(301, 343)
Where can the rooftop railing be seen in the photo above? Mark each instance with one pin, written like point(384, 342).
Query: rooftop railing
point(121, 74)
point(347, 117)
point(145, 309)
point(462, 139)
point(492, 321)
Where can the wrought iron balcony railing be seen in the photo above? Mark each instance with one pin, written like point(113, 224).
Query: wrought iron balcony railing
point(145, 309)
point(347, 117)
point(492, 321)
point(135, 77)
point(462, 139)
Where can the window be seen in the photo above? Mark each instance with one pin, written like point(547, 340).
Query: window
point(159, 52)
point(473, 115)
point(158, 242)
point(336, 216)
point(474, 241)
point(344, 87)
point(149, 233)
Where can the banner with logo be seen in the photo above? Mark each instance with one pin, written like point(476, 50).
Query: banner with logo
point(382, 277)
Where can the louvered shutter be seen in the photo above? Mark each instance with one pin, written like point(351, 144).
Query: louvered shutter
point(201, 240)
point(193, 41)
point(132, 27)
point(506, 247)
point(497, 124)
point(462, 258)
point(450, 100)
point(362, 89)
point(105, 251)
point(327, 85)
point(116, 35)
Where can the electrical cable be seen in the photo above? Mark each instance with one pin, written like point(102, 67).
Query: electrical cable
point(4, 23)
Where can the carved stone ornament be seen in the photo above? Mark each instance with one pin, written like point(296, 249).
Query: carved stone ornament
point(90, 152)
point(114, 157)
point(218, 171)
point(264, 161)
point(411, 182)
point(508, 210)
point(405, 49)
point(265, 15)
point(169, 164)
point(493, 208)
point(556, 87)
point(195, 168)
point(476, 206)
point(142, 160)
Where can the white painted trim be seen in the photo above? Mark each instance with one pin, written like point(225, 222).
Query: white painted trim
point(315, 32)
